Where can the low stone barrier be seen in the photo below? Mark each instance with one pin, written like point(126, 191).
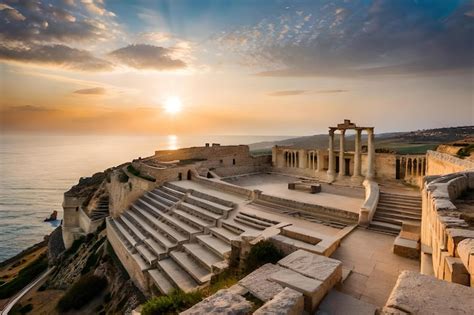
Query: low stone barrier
point(439, 163)
point(444, 227)
point(226, 187)
point(369, 206)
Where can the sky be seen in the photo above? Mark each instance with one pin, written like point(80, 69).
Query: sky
point(242, 67)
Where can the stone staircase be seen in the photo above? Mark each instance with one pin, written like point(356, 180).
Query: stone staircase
point(394, 209)
point(102, 209)
point(180, 238)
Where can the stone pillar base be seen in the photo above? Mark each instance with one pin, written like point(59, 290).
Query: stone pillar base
point(357, 179)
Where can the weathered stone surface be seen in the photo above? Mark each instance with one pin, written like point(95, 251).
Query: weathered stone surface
point(322, 268)
point(287, 302)
point(465, 251)
point(223, 302)
point(410, 235)
point(406, 247)
point(455, 236)
point(455, 271)
point(415, 293)
point(339, 303)
point(258, 284)
point(312, 289)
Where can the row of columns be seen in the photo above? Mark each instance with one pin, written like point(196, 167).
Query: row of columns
point(414, 166)
point(357, 154)
point(291, 159)
point(314, 160)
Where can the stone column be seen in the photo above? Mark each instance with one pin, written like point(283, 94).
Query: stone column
point(319, 162)
point(406, 168)
point(357, 159)
point(331, 165)
point(371, 154)
point(342, 162)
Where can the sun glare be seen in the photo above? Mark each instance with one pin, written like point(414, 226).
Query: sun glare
point(173, 105)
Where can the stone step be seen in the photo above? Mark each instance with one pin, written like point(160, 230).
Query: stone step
point(321, 218)
point(146, 254)
point(193, 268)
point(394, 215)
point(398, 196)
point(164, 228)
point(215, 244)
point(154, 233)
point(253, 216)
point(198, 222)
point(141, 262)
point(162, 283)
point(162, 201)
point(176, 194)
point(133, 213)
point(123, 231)
point(159, 250)
point(198, 211)
point(224, 234)
point(131, 226)
point(254, 220)
point(249, 223)
point(172, 221)
point(175, 187)
point(400, 205)
point(393, 220)
point(149, 198)
point(235, 227)
point(213, 199)
point(403, 210)
point(178, 276)
point(202, 254)
point(384, 226)
point(209, 205)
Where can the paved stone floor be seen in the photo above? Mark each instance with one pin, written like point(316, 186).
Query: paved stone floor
point(374, 267)
point(277, 185)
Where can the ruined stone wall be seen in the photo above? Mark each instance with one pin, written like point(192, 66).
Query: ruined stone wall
point(244, 166)
point(127, 260)
point(211, 152)
point(441, 163)
point(223, 186)
point(121, 195)
point(444, 227)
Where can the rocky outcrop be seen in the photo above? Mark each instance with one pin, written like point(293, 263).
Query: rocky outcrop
point(55, 245)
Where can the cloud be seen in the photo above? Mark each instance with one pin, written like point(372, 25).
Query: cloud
point(287, 93)
point(356, 38)
point(330, 91)
point(143, 56)
point(56, 55)
point(91, 91)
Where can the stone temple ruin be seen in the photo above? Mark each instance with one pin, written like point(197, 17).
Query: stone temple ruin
point(356, 238)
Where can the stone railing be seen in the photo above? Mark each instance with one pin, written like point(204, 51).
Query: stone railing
point(444, 227)
point(441, 163)
point(369, 206)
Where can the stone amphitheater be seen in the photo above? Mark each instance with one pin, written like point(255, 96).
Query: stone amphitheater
point(362, 232)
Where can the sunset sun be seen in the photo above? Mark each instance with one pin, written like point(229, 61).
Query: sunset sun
point(173, 105)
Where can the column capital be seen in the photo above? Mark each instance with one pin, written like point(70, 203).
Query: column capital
point(370, 130)
point(331, 131)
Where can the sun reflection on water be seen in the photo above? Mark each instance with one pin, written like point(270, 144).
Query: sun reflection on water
point(172, 142)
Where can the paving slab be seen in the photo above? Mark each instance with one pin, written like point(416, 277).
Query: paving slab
point(287, 302)
point(337, 303)
point(259, 285)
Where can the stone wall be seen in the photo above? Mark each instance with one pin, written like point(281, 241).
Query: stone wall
point(126, 259)
point(441, 163)
point(444, 226)
point(206, 152)
point(223, 186)
point(71, 226)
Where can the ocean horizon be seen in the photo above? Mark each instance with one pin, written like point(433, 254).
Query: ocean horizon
point(38, 169)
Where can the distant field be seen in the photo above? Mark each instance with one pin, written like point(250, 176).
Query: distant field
point(404, 148)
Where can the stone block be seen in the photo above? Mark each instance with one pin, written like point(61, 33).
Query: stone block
point(412, 227)
point(321, 268)
point(455, 236)
point(257, 282)
point(287, 302)
point(454, 271)
point(465, 251)
point(415, 293)
point(442, 261)
point(339, 303)
point(302, 234)
point(410, 235)
point(312, 289)
point(406, 247)
point(223, 302)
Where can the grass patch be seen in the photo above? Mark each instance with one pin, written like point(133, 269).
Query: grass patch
point(82, 292)
point(137, 173)
point(24, 277)
point(173, 303)
point(466, 151)
point(260, 254)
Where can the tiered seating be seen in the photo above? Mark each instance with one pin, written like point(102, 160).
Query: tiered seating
point(254, 221)
point(164, 232)
point(102, 209)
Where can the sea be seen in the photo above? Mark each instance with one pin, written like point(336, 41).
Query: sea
point(35, 171)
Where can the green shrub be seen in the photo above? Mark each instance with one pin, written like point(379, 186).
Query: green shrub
point(173, 303)
point(122, 177)
point(260, 254)
point(24, 277)
point(82, 292)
